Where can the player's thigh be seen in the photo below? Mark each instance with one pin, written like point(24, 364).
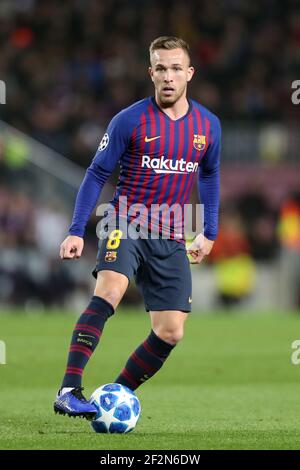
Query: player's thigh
point(169, 324)
point(111, 286)
point(165, 280)
point(117, 262)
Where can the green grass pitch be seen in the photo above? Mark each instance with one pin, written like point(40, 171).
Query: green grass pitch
point(230, 384)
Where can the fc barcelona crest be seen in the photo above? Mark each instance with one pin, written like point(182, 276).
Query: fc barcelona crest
point(199, 141)
point(110, 256)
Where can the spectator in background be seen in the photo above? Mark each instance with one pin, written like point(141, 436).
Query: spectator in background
point(289, 266)
point(259, 223)
point(72, 65)
point(233, 264)
point(31, 271)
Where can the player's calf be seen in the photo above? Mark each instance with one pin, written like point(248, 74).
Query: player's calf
point(145, 361)
point(85, 338)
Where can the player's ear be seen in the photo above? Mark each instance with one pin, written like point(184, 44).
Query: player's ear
point(190, 73)
point(150, 73)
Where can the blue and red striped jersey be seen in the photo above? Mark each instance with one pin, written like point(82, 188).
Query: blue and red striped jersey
point(159, 159)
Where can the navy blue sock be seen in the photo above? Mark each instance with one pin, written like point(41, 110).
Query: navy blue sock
point(86, 336)
point(146, 360)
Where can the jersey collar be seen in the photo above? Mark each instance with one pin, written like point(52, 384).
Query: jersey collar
point(168, 117)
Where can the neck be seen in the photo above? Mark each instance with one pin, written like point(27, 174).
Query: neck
point(175, 110)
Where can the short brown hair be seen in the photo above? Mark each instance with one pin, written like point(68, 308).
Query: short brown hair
point(169, 42)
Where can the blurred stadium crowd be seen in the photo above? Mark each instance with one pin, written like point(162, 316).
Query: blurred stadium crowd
point(70, 66)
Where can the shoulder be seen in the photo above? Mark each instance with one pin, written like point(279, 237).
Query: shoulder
point(206, 113)
point(131, 115)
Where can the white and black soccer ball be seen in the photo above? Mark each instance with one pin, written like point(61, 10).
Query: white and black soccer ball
point(118, 409)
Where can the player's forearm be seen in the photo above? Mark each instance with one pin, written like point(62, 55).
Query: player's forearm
point(209, 195)
point(87, 198)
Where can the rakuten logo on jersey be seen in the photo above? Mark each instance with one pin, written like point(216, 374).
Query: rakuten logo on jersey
point(165, 165)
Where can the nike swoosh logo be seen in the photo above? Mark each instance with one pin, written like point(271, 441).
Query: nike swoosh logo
point(149, 139)
point(85, 336)
point(190, 300)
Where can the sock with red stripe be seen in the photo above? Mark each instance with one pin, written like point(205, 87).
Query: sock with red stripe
point(146, 360)
point(86, 336)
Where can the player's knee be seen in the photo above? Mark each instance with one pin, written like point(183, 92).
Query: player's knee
point(171, 336)
point(112, 295)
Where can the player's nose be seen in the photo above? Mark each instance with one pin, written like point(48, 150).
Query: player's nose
point(168, 76)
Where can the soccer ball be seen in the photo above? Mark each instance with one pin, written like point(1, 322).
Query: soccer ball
point(118, 409)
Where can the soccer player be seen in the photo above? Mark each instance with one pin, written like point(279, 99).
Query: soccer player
point(161, 143)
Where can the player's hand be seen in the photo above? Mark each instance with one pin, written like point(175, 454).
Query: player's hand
point(71, 247)
point(199, 248)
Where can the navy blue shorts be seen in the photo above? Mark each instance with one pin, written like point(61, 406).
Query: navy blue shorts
point(161, 269)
